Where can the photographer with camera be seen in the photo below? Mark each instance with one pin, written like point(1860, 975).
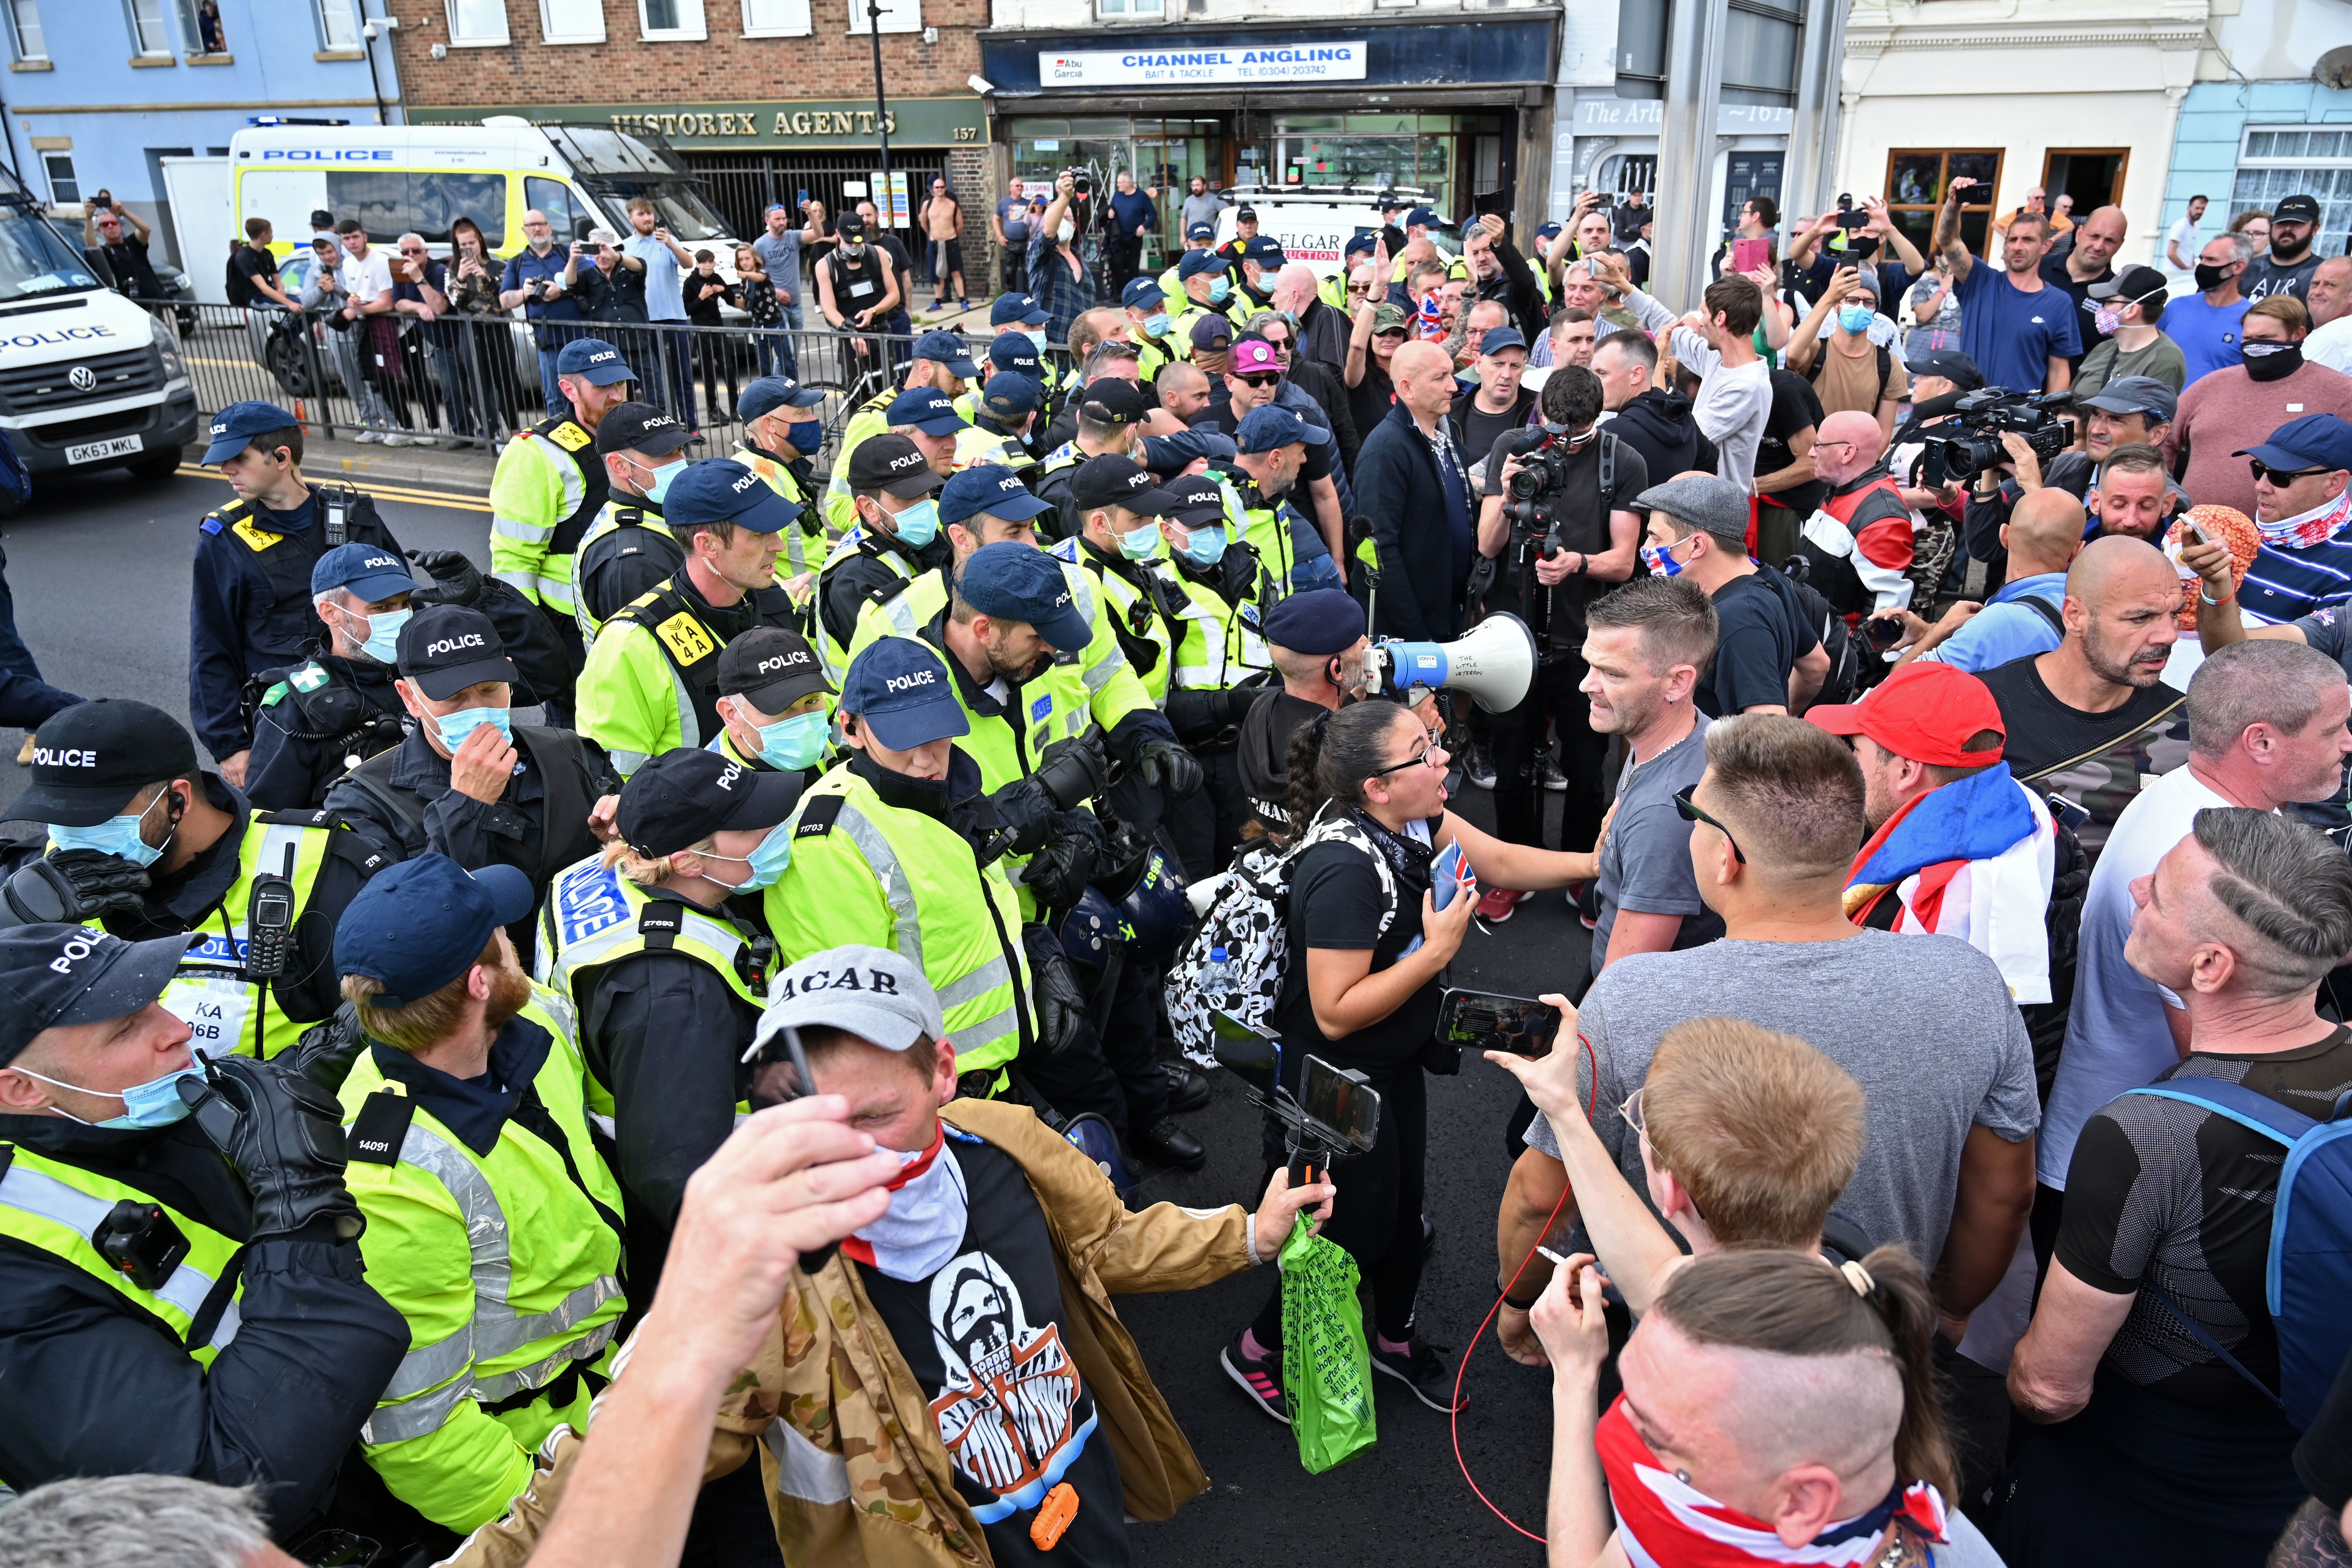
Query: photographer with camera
point(1558, 524)
point(125, 1216)
point(2005, 445)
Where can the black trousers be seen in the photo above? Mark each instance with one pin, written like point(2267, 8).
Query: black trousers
point(1207, 828)
point(1519, 746)
point(1122, 258)
point(1378, 1220)
point(1117, 1075)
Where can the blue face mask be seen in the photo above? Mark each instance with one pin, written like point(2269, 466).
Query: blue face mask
point(1660, 559)
point(1207, 545)
point(1855, 319)
point(456, 727)
point(1037, 338)
point(1141, 543)
point(767, 860)
point(116, 835)
point(155, 1103)
point(1220, 292)
point(806, 436)
point(382, 643)
point(658, 480)
point(918, 524)
point(795, 742)
point(1155, 325)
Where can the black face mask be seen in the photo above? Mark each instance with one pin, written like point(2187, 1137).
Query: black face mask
point(2272, 362)
point(2210, 277)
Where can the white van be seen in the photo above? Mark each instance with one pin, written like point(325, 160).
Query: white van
point(1313, 224)
point(87, 380)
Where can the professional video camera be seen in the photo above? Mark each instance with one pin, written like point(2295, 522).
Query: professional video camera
point(1973, 443)
point(1335, 1112)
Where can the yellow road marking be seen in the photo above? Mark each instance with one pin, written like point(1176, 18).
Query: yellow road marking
point(385, 492)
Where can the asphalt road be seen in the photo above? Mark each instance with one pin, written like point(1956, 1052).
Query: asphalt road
point(102, 590)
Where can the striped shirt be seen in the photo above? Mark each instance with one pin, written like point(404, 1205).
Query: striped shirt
point(2284, 585)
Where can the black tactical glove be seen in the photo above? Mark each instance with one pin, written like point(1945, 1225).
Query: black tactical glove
point(455, 579)
point(71, 886)
point(1059, 873)
point(1169, 769)
point(1025, 809)
point(1063, 1021)
point(1074, 771)
point(1233, 704)
point(326, 1051)
point(284, 1136)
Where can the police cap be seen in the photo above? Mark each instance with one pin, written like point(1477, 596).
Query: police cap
point(1021, 583)
point(445, 648)
point(900, 690)
point(89, 759)
point(771, 667)
point(941, 347)
point(720, 489)
point(1020, 308)
point(370, 573)
point(928, 409)
point(1196, 262)
point(234, 427)
point(766, 395)
point(1009, 394)
point(990, 487)
point(1112, 400)
point(593, 361)
point(1013, 351)
point(686, 795)
point(1318, 621)
point(639, 427)
point(892, 464)
point(55, 976)
point(420, 925)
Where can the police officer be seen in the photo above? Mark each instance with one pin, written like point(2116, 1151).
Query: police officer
point(1333, 290)
point(895, 539)
point(1200, 237)
point(1202, 276)
point(1000, 431)
point(927, 417)
point(336, 709)
point(1271, 452)
point(1221, 667)
point(1261, 258)
point(165, 1310)
point(774, 701)
point(249, 609)
point(651, 683)
point(1111, 416)
point(1118, 544)
point(1146, 303)
point(1315, 641)
point(1011, 350)
point(659, 944)
point(941, 364)
point(783, 432)
point(259, 890)
point(1245, 230)
point(467, 782)
point(548, 487)
point(494, 1227)
point(628, 547)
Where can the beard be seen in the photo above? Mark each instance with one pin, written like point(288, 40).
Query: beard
point(2108, 663)
point(509, 991)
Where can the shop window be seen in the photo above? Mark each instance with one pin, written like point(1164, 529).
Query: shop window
point(478, 23)
point(571, 21)
point(2316, 161)
point(25, 27)
point(898, 15)
point(1916, 183)
point(64, 187)
point(671, 21)
point(776, 19)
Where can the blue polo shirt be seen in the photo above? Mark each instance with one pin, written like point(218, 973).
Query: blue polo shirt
point(525, 269)
point(2208, 335)
point(2012, 335)
point(664, 291)
point(2006, 629)
point(2287, 585)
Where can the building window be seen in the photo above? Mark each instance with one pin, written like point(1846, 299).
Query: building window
point(24, 23)
point(478, 21)
point(1916, 183)
point(898, 15)
point(572, 21)
point(1129, 10)
point(777, 19)
point(151, 30)
point(64, 187)
point(671, 20)
point(338, 28)
point(2294, 160)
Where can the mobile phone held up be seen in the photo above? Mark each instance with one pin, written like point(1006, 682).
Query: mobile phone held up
point(1748, 255)
point(1489, 1021)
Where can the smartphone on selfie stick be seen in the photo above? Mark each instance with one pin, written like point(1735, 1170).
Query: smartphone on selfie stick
point(1335, 1113)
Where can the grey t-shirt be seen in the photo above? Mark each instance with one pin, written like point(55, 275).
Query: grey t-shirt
point(1202, 208)
point(1646, 863)
point(1923, 1023)
point(782, 258)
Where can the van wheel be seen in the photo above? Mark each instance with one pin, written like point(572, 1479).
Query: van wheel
point(153, 466)
point(290, 367)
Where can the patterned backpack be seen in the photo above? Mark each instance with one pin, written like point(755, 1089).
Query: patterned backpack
point(1247, 920)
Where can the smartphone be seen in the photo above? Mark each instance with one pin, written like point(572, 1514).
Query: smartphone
point(1242, 1048)
point(1490, 1021)
point(780, 1075)
point(2071, 813)
point(2189, 533)
point(1748, 255)
point(1342, 1101)
point(1885, 631)
point(804, 196)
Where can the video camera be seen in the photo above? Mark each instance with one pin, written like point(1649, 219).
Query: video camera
point(1531, 497)
point(1335, 1112)
point(1981, 419)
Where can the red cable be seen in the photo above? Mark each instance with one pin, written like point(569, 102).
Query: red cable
point(1454, 1418)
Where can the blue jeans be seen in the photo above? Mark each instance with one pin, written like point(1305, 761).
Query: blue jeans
point(558, 405)
point(775, 347)
point(1321, 571)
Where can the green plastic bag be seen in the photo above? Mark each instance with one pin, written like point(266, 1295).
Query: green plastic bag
point(1327, 1372)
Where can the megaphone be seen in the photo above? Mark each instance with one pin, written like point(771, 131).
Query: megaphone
point(1494, 662)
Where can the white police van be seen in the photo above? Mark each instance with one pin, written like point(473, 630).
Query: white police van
point(87, 380)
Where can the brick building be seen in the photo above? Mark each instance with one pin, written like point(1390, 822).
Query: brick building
point(711, 76)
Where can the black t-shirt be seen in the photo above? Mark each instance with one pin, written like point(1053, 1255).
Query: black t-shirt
point(2053, 271)
point(2095, 760)
point(133, 273)
point(1558, 613)
point(1369, 399)
point(1759, 641)
point(249, 263)
point(1336, 901)
point(983, 1340)
point(702, 302)
point(2160, 1192)
point(1796, 407)
point(1479, 430)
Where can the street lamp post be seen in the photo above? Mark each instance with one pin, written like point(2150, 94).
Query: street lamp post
point(882, 207)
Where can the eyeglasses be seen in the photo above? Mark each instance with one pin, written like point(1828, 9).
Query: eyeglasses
point(1266, 380)
point(2263, 470)
point(1631, 1113)
point(1693, 813)
point(1432, 755)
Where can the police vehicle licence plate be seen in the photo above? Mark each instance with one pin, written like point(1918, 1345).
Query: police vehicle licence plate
point(96, 451)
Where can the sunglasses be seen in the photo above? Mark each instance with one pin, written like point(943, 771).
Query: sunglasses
point(1260, 381)
point(1690, 813)
point(1360, 288)
point(1631, 1113)
point(2263, 470)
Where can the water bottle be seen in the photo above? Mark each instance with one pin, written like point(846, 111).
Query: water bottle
point(1216, 977)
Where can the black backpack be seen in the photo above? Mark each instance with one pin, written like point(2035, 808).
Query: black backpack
point(1885, 368)
point(1816, 615)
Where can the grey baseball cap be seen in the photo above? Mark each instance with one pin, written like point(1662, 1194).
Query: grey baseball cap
point(870, 992)
point(1706, 503)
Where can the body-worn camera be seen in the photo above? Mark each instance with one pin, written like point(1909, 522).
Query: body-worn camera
point(1957, 452)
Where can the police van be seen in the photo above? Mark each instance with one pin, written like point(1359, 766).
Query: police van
point(1313, 224)
point(87, 380)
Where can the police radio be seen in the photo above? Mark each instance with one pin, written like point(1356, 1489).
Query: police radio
point(336, 506)
point(269, 922)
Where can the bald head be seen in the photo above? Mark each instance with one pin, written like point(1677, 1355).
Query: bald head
point(2044, 532)
point(1846, 447)
point(1294, 288)
point(2117, 565)
point(1420, 361)
point(2096, 240)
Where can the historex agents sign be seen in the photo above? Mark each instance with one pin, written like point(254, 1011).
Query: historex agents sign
point(1189, 67)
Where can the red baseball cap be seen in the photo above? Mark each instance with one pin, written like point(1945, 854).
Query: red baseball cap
point(1923, 711)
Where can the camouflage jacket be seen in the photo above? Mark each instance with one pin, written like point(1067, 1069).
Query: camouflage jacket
point(856, 1475)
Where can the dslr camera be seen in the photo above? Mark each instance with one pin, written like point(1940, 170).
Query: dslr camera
point(1983, 418)
point(1532, 496)
point(1082, 183)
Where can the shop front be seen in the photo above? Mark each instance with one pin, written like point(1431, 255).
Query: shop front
point(1449, 108)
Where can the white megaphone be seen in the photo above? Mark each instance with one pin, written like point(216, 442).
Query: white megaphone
point(1494, 662)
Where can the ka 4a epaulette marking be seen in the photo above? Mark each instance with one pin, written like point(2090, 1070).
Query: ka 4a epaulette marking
point(817, 818)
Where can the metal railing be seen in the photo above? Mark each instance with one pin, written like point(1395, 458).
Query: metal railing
point(473, 381)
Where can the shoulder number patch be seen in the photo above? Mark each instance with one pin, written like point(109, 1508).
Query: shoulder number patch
point(380, 1128)
point(817, 816)
point(570, 437)
point(255, 538)
point(686, 638)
